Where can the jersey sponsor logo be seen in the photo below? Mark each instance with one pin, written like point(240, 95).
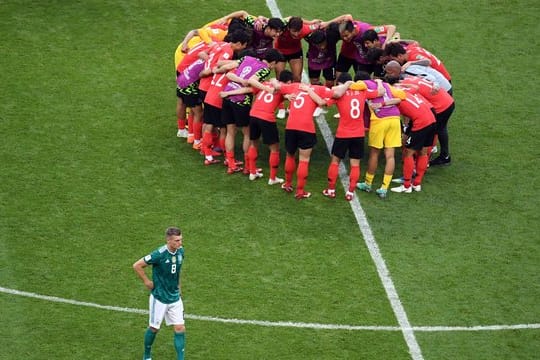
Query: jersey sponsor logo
point(173, 259)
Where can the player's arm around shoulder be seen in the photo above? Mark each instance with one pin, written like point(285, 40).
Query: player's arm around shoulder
point(340, 90)
point(358, 85)
point(398, 93)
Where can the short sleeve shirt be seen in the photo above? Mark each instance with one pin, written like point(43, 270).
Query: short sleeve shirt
point(166, 268)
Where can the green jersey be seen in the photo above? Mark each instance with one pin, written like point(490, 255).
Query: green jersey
point(166, 268)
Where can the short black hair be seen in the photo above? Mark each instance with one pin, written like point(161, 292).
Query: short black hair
point(240, 36)
point(344, 77)
point(394, 49)
point(332, 33)
point(247, 52)
point(273, 55)
point(276, 24)
point(285, 76)
point(317, 37)
point(361, 75)
point(236, 24)
point(369, 35)
point(295, 23)
point(374, 54)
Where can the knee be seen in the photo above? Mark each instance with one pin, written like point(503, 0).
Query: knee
point(179, 328)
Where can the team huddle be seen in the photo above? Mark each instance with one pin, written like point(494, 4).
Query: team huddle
point(400, 96)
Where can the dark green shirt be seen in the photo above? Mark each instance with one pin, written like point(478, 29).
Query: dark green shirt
point(166, 268)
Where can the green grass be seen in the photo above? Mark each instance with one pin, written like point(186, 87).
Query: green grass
point(92, 174)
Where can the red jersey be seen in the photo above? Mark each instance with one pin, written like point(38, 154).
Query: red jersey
point(415, 52)
point(265, 104)
point(440, 100)
point(217, 84)
point(417, 109)
point(351, 107)
point(302, 108)
point(192, 56)
point(221, 51)
point(288, 45)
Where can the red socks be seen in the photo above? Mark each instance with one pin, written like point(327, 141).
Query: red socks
point(274, 164)
point(231, 163)
point(333, 171)
point(421, 167)
point(197, 129)
point(190, 122)
point(301, 176)
point(252, 155)
point(207, 143)
point(290, 167)
point(181, 123)
point(408, 168)
point(353, 177)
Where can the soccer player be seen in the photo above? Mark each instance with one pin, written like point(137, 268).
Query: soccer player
point(413, 54)
point(321, 55)
point(443, 105)
point(442, 101)
point(263, 123)
point(377, 37)
point(165, 300)
point(384, 133)
point(289, 44)
point(264, 34)
point(214, 31)
point(350, 132)
point(395, 73)
point(210, 33)
point(212, 85)
point(419, 122)
point(193, 55)
point(300, 135)
point(235, 112)
point(353, 53)
point(188, 92)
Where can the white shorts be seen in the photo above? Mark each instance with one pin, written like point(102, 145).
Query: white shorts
point(172, 313)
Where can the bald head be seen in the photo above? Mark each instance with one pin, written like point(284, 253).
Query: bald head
point(393, 69)
point(393, 66)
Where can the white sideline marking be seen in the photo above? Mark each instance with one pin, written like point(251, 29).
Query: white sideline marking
point(289, 324)
point(361, 219)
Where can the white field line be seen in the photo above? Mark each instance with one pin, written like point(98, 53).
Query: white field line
point(289, 324)
point(361, 219)
point(376, 256)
